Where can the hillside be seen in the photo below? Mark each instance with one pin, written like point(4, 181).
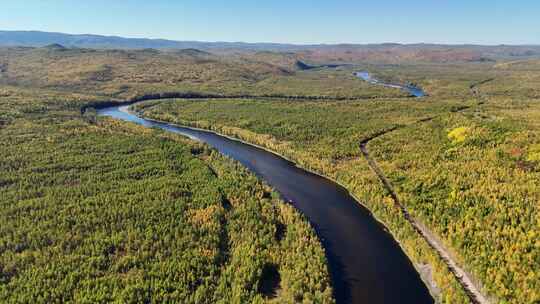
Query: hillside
point(464, 162)
point(386, 52)
point(128, 73)
point(479, 115)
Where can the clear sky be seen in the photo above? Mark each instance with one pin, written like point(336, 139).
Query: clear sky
point(288, 21)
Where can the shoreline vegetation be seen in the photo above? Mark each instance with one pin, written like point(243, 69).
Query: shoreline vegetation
point(469, 283)
point(168, 113)
point(443, 291)
point(424, 274)
point(470, 175)
point(134, 213)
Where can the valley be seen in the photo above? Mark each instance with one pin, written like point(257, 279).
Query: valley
point(103, 209)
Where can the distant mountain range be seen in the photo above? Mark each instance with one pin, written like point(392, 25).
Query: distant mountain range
point(40, 39)
point(385, 52)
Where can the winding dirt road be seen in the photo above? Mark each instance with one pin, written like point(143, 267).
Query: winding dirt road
point(475, 294)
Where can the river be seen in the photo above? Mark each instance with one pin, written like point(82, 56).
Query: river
point(366, 264)
point(413, 90)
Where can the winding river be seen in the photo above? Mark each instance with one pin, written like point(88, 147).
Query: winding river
point(413, 90)
point(366, 264)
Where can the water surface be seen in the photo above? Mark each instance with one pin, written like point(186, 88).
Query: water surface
point(413, 90)
point(366, 264)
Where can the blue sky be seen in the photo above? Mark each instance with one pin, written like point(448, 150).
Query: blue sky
point(290, 21)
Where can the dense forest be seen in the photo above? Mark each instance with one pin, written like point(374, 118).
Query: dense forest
point(470, 172)
point(474, 178)
point(107, 211)
point(96, 210)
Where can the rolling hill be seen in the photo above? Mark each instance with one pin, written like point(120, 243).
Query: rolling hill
point(385, 52)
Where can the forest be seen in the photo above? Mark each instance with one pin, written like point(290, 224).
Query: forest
point(464, 161)
point(98, 210)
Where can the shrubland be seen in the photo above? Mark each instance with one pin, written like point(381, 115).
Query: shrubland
point(124, 74)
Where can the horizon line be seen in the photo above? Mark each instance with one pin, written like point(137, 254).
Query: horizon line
point(280, 43)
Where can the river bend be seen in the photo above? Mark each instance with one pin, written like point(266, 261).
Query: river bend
point(366, 264)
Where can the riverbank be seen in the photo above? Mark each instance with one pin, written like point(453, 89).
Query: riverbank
point(105, 211)
point(423, 270)
point(363, 183)
point(333, 221)
point(411, 89)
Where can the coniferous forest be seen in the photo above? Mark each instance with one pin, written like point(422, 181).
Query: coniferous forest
point(96, 210)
